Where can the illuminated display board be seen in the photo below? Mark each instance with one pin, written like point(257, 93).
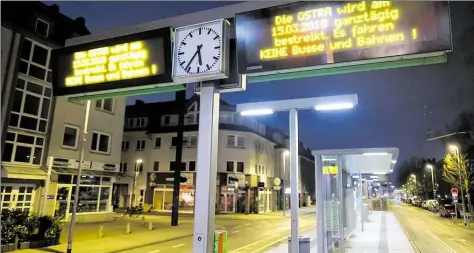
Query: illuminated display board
point(124, 63)
point(310, 34)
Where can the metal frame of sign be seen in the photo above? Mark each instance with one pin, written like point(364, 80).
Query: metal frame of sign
point(268, 72)
point(135, 86)
point(234, 82)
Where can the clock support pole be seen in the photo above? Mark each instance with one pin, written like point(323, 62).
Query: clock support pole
point(206, 171)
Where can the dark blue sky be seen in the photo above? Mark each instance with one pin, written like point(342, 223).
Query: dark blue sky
point(396, 107)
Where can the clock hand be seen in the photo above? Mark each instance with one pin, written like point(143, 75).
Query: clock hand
point(192, 58)
point(194, 55)
point(199, 55)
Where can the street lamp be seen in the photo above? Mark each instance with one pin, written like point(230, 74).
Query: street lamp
point(455, 150)
point(138, 163)
point(293, 105)
point(431, 167)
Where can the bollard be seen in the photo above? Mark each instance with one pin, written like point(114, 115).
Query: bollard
point(101, 231)
point(150, 225)
point(129, 228)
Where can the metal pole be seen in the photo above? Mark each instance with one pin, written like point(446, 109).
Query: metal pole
point(462, 194)
point(46, 185)
point(294, 171)
point(181, 101)
point(319, 204)
point(361, 203)
point(341, 205)
point(432, 182)
point(284, 194)
point(78, 180)
point(206, 171)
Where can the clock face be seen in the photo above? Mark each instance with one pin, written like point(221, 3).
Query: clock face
point(199, 50)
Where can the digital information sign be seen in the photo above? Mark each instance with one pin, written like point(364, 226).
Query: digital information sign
point(308, 34)
point(121, 63)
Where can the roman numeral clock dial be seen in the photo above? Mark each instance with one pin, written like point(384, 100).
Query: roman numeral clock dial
point(199, 51)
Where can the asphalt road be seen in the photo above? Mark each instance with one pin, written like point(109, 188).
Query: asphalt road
point(249, 236)
point(431, 234)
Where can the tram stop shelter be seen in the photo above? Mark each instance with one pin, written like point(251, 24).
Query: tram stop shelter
point(350, 184)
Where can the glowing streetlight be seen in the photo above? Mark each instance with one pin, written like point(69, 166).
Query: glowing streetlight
point(453, 148)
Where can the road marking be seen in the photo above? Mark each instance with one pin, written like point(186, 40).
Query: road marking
point(441, 242)
point(238, 226)
point(235, 232)
point(179, 245)
point(247, 228)
point(154, 251)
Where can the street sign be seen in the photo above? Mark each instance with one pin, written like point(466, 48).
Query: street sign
point(454, 192)
point(131, 62)
point(308, 35)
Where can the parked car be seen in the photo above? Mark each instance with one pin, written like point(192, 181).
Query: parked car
point(432, 205)
point(447, 210)
point(416, 201)
point(424, 204)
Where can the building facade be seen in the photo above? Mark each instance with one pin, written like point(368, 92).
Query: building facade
point(251, 160)
point(41, 130)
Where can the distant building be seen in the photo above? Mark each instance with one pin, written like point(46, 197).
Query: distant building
point(38, 126)
point(250, 153)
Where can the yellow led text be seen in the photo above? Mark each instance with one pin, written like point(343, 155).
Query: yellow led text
point(335, 28)
point(105, 64)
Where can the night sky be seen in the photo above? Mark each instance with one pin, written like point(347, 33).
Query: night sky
point(397, 107)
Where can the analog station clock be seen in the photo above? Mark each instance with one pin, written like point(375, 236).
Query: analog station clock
point(200, 52)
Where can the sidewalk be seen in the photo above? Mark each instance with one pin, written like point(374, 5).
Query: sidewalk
point(382, 234)
point(122, 242)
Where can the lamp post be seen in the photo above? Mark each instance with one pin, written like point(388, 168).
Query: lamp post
point(431, 167)
point(455, 150)
point(285, 154)
point(293, 105)
point(138, 163)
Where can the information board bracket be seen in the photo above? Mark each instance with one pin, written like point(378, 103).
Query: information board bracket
point(136, 92)
point(350, 67)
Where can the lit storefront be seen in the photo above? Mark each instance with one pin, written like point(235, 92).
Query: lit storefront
point(161, 185)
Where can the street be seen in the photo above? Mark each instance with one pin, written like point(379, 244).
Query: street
point(431, 234)
point(244, 235)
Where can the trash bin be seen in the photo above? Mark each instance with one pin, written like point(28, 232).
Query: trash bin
point(365, 212)
point(305, 246)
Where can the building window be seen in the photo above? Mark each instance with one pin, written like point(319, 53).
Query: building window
point(139, 167)
point(174, 141)
point(42, 27)
point(256, 169)
point(166, 120)
point(230, 166)
point(136, 122)
point(125, 145)
point(240, 167)
point(70, 136)
point(157, 142)
point(235, 141)
point(230, 141)
point(156, 165)
point(141, 122)
point(23, 148)
point(35, 60)
point(123, 167)
point(140, 145)
point(192, 166)
point(260, 146)
point(31, 106)
point(106, 104)
point(190, 141)
point(100, 142)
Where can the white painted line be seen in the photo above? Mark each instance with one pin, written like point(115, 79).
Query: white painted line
point(238, 226)
point(247, 228)
point(441, 242)
point(154, 251)
point(179, 245)
point(236, 231)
